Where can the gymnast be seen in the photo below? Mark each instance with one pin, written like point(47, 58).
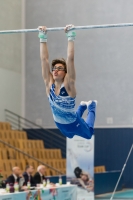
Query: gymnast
point(61, 91)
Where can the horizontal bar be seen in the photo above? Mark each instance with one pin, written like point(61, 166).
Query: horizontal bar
point(62, 28)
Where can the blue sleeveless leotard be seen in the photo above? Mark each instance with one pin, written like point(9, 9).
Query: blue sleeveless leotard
point(65, 116)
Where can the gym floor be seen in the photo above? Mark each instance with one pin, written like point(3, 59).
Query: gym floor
point(124, 194)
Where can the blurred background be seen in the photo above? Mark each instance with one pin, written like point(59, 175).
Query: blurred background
point(104, 68)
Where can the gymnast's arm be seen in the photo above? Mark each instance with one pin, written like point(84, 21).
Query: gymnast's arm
point(44, 56)
point(71, 75)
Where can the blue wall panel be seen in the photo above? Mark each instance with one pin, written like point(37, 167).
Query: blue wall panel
point(112, 146)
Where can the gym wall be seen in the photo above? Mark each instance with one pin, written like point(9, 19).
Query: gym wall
point(103, 57)
point(10, 58)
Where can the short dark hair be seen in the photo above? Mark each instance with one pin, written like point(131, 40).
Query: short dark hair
point(77, 172)
point(61, 61)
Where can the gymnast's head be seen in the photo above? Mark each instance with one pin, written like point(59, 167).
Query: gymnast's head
point(59, 69)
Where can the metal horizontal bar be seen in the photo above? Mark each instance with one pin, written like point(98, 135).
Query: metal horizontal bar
point(62, 28)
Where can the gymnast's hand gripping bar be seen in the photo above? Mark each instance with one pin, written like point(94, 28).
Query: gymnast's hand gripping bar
point(62, 28)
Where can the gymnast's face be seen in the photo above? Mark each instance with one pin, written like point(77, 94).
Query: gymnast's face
point(58, 72)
